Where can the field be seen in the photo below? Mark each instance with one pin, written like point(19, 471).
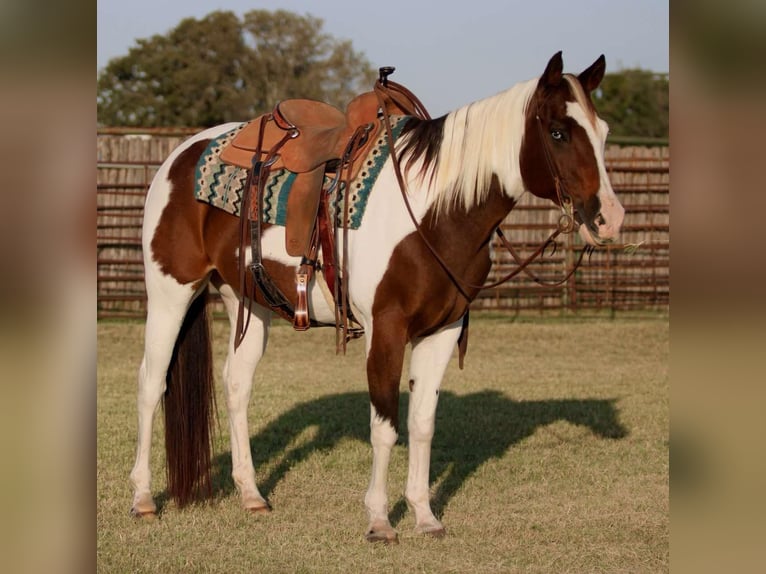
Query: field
point(550, 455)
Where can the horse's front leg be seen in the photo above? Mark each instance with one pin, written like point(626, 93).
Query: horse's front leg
point(385, 356)
point(430, 356)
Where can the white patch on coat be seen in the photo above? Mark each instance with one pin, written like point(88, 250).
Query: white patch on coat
point(386, 223)
point(597, 130)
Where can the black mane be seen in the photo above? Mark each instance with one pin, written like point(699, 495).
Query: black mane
point(422, 139)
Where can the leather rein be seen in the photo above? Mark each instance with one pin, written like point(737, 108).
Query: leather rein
point(566, 223)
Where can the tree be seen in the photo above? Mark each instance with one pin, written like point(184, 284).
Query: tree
point(220, 68)
point(634, 102)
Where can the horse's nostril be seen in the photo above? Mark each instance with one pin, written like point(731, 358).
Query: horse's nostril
point(600, 220)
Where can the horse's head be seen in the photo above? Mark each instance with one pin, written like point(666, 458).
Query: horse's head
point(562, 153)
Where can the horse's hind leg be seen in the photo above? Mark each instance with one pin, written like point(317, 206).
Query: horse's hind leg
point(430, 356)
point(167, 305)
point(238, 372)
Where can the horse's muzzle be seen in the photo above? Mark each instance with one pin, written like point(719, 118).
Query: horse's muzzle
point(604, 228)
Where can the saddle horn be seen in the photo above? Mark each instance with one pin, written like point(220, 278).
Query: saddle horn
point(384, 72)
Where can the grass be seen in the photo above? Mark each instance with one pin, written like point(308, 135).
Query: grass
point(550, 455)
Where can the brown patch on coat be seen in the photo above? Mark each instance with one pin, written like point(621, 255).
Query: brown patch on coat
point(178, 242)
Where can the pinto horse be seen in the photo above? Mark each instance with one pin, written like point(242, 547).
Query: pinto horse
point(463, 173)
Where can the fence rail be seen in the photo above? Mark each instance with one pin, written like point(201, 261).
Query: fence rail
point(610, 280)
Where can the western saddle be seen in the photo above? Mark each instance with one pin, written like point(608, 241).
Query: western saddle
point(313, 140)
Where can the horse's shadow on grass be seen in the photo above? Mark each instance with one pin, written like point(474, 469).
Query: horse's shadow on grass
point(470, 430)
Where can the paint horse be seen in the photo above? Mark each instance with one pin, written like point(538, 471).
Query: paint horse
point(462, 173)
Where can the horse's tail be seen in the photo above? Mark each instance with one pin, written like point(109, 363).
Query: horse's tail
point(189, 405)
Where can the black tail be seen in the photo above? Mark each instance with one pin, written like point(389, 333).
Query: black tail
point(189, 405)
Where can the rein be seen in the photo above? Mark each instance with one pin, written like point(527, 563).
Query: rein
point(566, 223)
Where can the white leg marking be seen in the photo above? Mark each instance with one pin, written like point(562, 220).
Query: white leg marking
point(383, 437)
point(430, 357)
point(238, 372)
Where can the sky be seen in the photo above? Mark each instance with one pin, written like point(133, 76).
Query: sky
point(448, 52)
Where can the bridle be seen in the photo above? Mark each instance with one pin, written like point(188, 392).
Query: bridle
point(566, 222)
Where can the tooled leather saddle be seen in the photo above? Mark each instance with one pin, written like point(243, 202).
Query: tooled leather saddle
point(315, 141)
point(308, 138)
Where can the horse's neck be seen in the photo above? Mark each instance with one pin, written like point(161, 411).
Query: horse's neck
point(473, 228)
point(481, 142)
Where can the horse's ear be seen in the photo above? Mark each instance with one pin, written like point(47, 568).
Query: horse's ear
point(591, 78)
point(552, 75)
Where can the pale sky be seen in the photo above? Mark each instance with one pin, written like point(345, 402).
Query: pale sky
point(448, 52)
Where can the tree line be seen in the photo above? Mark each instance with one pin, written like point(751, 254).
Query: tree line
point(222, 68)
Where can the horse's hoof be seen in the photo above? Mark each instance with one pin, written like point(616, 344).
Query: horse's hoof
point(260, 509)
point(384, 536)
point(436, 533)
point(143, 516)
point(432, 530)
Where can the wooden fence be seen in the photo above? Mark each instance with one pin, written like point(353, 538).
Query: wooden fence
point(610, 280)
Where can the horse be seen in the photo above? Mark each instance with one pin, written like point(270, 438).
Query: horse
point(413, 265)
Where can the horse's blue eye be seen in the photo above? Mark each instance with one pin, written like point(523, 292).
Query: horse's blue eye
point(557, 135)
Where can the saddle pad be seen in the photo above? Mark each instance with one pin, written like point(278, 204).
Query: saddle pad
point(221, 185)
point(217, 183)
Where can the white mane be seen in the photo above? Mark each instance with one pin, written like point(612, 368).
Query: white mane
point(480, 140)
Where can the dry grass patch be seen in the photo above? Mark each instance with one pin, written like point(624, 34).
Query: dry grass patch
point(550, 455)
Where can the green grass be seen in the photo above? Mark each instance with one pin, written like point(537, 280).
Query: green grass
point(550, 455)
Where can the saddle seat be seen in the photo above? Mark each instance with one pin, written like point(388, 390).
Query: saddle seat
point(321, 133)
